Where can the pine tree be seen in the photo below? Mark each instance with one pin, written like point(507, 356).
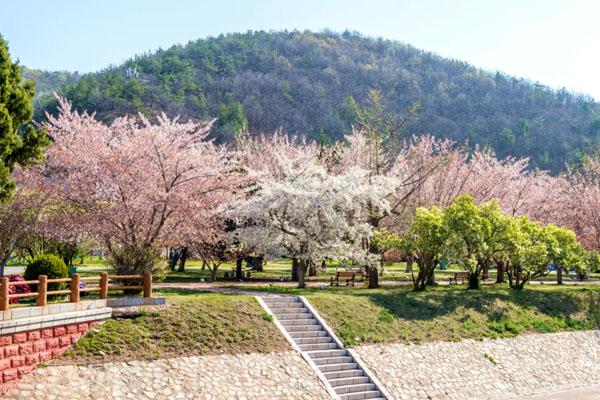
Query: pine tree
point(20, 142)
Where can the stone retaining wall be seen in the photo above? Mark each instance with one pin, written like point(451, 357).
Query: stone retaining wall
point(271, 376)
point(30, 335)
point(489, 369)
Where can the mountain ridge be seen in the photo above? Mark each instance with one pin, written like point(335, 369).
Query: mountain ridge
point(303, 81)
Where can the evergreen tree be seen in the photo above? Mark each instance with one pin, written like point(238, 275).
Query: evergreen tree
point(20, 142)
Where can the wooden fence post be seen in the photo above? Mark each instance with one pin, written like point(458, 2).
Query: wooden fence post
point(147, 284)
point(103, 285)
point(74, 288)
point(42, 288)
point(4, 294)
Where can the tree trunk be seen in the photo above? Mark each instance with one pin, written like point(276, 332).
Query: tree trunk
point(257, 263)
point(183, 254)
point(486, 272)
point(301, 271)
point(474, 280)
point(238, 268)
point(295, 269)
point(373, 273)
point(213, 274)
point(431, 275)
point(409, 265)
point(312, 269)
point(203, 265)
point(173, 258)
point(3, 265)
point(500, 272)
point(559, 275)
point(420, 283)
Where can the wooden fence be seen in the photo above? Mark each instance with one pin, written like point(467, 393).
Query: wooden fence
point(101, 282)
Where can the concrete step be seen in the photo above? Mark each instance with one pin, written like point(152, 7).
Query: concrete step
point(292, 322)
point(338, 367)
point(290, 310)
point(326, 353)
point(281, 300)
point(286, 304)
point(332, 360)
point(303, 328)
point(370, 394)
point(313, 340)
point(288, 316)
point(352, 380)
point(308, 333)
point(318, 347)
point(352, 373)
point(361, 387)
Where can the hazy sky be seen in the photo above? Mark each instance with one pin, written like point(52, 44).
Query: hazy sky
point(554, 42)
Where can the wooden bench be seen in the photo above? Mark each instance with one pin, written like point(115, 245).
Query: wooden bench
point(462, 275)
point(350, 276)
point(359, 275)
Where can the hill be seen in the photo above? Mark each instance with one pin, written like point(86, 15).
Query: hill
point(47, 82)
point(304, 81)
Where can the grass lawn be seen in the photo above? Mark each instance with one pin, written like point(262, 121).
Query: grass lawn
point(399, 314)
point(198, 324)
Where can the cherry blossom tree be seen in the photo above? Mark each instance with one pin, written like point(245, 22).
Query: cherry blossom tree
point(138, 186)
point(583, 203)
point(311, 215)
point(23, 214)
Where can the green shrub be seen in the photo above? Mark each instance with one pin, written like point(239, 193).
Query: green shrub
point(50, 265)
point(135, 260)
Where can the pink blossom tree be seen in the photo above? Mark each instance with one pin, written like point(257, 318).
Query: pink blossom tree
point(22, 216)
point(138, 186)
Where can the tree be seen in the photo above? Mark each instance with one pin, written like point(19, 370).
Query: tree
point(467, 229)
point(137, 186)
point(478, 236)
point(530, 254)
point(21, 216)
point(583, 201)
point(20, 142)
point(567, 251)
point(426, 238)
point(373, 145)
point(311, 215)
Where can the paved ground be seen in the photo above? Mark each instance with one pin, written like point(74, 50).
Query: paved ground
point(490, 369)
point(586, 393)
point(272, 376)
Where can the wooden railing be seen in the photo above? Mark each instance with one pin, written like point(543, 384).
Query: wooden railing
point(74, 290)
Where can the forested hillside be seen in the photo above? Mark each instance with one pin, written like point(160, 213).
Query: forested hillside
point(304, 82)
point(47, 82)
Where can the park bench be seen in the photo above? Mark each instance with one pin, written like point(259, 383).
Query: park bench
point(462, 275)
point(246, 273)
point(350, 276)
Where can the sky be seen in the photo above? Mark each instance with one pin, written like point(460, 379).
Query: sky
point(552, 42)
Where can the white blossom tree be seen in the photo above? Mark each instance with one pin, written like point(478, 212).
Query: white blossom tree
point(310, 214)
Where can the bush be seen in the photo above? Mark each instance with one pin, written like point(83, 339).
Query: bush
point(134, 260)
point(50, 265)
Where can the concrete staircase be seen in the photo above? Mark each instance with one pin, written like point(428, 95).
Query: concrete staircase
point(344, 375)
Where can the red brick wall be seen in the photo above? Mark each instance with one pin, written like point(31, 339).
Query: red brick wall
point(21, 352)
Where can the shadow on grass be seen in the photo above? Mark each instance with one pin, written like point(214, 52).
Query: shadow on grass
point(494, 302)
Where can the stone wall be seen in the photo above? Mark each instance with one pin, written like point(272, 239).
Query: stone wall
point(488, 369)
point(30, 335)
point(271, 376)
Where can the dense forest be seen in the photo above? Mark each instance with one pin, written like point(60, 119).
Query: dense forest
point(47, 82)
point(307, 83)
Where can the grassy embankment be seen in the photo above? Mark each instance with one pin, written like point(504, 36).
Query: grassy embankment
point(399, 314)
point(198, 323)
